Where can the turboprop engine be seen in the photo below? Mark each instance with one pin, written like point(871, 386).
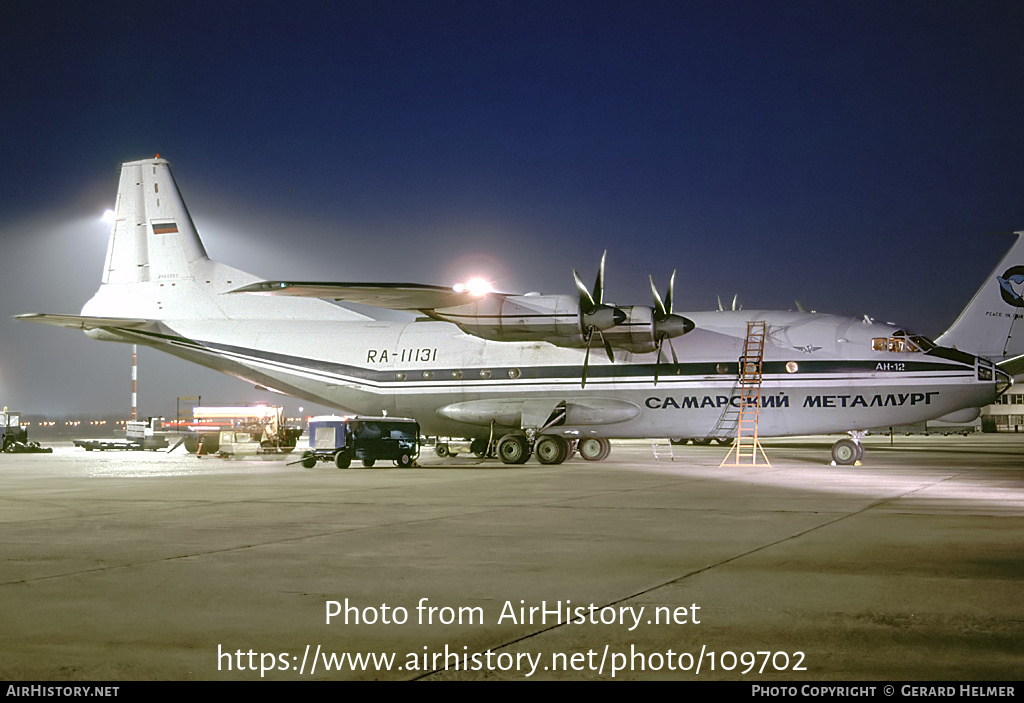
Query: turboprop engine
point(566, 321)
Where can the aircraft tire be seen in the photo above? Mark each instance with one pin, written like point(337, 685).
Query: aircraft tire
point(551, 449)
point(342, 460)
point(513, 449)
point(594, 449)
point(847, 452)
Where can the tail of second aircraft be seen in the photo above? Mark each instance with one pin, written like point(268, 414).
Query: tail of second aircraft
point(992, 325)
point(157, 268)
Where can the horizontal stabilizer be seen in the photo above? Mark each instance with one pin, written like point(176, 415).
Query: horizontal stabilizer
point(1013, 366)
point(390, 296)
point(84, 322)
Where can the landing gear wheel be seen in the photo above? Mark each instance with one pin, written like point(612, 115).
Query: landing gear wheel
point(551, 449)
point(593, 449)
point(702, 441)
point(342, 460)
point(847, 452)
point(404, 461)
point(308, 461)
point(513, 449)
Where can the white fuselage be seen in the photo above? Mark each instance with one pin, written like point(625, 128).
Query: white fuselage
point(820, 374)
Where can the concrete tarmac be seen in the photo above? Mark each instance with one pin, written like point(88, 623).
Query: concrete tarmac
point(137, 566)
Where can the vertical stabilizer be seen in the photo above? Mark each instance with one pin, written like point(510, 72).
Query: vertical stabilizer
point(992, 325)
point(153, 235)
point(157, 268)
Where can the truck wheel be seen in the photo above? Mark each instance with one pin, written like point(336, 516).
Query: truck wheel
point(369, 461)
point(404, 461)
point(308, 461)
point(342, 460)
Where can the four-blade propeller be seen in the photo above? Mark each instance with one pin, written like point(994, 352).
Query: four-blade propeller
point(667, 325)
point(597, 317)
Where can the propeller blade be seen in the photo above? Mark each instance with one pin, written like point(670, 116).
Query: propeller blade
point(675, 359)
point(599, 283)
point(660, 311)
point(657, 364)
point(608, 348)
point(586, 360)
point(663, 308)
point(587, 304)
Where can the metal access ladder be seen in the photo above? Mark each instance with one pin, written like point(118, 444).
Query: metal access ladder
point(747, 447)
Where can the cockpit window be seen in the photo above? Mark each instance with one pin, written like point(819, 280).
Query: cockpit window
point(902, 342)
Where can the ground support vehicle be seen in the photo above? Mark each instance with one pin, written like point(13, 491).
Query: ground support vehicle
point(140, 434)
point(15, 435)
point(262, 424)
point(343, 440)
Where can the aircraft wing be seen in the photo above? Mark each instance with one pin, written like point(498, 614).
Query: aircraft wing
point(84, 322)
point(391, 296)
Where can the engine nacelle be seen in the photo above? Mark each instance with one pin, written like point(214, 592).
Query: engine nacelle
point(557, 319)
point(520, 318)
point(641, 330)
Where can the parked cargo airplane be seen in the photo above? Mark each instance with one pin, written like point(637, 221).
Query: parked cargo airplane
point(517, 369)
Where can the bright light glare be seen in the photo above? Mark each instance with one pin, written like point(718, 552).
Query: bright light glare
point(108, 217)
point(474, 286)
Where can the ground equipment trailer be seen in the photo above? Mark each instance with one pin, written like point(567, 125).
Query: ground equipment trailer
point(344, 439)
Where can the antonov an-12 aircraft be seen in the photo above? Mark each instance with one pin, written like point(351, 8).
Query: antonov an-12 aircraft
point(516, 373)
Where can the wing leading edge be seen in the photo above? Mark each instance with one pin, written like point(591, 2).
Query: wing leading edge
point(390, 296)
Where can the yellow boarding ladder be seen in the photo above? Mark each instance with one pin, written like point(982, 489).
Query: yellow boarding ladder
point(747, 446)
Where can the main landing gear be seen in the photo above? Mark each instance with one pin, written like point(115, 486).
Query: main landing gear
point(515, 448)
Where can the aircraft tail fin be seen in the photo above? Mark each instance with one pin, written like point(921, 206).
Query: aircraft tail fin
point(992, 324)
point(157, 267)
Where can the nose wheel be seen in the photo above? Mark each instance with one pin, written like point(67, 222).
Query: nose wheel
point(847, 452)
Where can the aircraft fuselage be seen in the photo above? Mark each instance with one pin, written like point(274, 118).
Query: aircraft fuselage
point(822, 373)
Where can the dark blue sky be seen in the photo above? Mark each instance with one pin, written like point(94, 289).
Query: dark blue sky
point(854, 155)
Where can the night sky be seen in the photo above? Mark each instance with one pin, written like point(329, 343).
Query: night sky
point(861, 157)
